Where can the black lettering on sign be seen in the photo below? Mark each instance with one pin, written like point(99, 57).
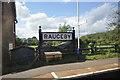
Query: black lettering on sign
point(69, 36)
point(65, 36)
point(50, 36)
point(58, 36)
point(53, 36)
point(45, 36)
point(61, 36)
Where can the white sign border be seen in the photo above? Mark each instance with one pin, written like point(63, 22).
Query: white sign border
point(70, 33)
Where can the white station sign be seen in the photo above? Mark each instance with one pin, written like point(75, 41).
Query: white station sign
point(56, 36)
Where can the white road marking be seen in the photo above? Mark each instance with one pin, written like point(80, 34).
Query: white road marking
point(115, 64)
point(106, 70)
point(88, 68)
point(54, 75)
point(0, 77)
point(89, 73)
point(78, 75)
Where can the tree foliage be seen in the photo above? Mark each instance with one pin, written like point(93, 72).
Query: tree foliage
point(18, 41)
point(34, 41)
point(114, 24)
point(64, 28)
point(113, 33)
point(28, 41)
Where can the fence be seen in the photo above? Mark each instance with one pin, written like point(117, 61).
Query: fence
point(101, 48)
point(98, 48)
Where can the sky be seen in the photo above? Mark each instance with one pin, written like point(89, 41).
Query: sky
point(49, 15)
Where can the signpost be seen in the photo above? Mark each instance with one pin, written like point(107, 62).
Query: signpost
point(78, 25)
point(55, 36)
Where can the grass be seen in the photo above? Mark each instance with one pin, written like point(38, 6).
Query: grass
point(106, 50)
point(66, 58)
point(33, 46)
point(102, 56)
point(69, 58)
point(104, 45)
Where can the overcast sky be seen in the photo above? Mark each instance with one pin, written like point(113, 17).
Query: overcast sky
point(50, 15)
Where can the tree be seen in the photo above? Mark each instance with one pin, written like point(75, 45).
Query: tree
point(18, 41)
point(115, 25)
point(29, 41)
point(34, 40)
point(64, 28)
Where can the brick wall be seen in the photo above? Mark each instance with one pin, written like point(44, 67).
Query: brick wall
point(0, 38)
point(8, 28)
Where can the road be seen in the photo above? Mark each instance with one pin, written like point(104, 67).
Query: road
point(62, 67)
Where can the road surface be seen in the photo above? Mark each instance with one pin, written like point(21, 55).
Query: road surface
point(61, 67)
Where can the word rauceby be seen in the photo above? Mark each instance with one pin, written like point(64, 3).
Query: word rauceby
point(57, 36)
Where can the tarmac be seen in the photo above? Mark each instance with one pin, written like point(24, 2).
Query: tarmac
point(68, 70)
point(79, 73)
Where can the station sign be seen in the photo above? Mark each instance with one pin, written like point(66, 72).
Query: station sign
point(56, 36)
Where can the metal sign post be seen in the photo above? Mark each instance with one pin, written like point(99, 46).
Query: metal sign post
point(78, 49)
point(55, 36)
point(73, 39)
point(40, 42)
point(79, 25)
